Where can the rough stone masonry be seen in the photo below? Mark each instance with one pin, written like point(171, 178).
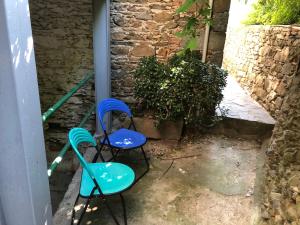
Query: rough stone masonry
point(148, 27)
point(282, 189)
point(62, 33)
point(264, 61)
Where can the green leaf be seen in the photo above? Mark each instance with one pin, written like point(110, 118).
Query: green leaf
point(275, 12)
point(180, 34)
point(185, 6)
point(192, 22)
point(208, 22)
point(181, 52)
point(205, 12)
point(192, 44)
point(184, 87)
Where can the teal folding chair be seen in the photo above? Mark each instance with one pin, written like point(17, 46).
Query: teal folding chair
point(99, 179)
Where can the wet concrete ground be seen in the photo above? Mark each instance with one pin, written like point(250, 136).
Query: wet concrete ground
point(222, 173)
point(207, 181)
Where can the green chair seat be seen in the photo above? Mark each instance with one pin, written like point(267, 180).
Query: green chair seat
point(112, 178)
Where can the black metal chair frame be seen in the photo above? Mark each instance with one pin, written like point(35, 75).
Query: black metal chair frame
point(114, 156)
point(101, 196)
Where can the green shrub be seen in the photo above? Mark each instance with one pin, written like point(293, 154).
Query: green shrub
point(183, 88)
point(275, 12)
point(147, 75)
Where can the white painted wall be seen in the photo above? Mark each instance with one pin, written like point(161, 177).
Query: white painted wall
point(24, 188)
point(101, 42)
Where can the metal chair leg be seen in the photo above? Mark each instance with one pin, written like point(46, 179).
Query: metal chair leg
point(98, 154)
point(112, 153)
point(95, 158)
point(110, 211)
point(84, 210)
point(114, 157)
point(147, 164)
point(124, 209)
point(146, 159)
point(73, 210)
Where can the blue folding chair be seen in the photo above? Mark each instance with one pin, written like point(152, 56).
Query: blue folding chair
point(99, 179)
point(122, 139)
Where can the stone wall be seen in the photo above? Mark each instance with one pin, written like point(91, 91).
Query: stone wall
point(62, 33)
point(263, 61)
point(282, 189)
point(147, 27)
point(217, 33)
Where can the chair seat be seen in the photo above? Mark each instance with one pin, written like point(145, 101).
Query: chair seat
point(126, 139)
point(112, 178)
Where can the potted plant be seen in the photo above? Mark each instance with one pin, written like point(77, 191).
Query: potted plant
point(182, 91)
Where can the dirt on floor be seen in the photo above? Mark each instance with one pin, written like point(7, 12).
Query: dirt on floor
point(208, 180)
point(58, 187)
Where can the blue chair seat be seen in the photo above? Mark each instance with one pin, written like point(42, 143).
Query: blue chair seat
point(126, 139)
point(112, 178)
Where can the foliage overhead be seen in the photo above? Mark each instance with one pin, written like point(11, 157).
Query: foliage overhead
point(198, 12)
point(275, 12)
point(182, 88)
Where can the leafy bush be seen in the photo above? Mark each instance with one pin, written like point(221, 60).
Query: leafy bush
point(183, 88)
point(275, 12)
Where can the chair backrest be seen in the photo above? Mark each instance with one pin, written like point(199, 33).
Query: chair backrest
point(78, 136)
point(111, 104)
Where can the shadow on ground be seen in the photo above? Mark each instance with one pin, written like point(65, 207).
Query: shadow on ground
point(209, 181)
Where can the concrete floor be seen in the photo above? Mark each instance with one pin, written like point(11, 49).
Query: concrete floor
point(58, 186)
point(240, 105)
point(207, 181)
